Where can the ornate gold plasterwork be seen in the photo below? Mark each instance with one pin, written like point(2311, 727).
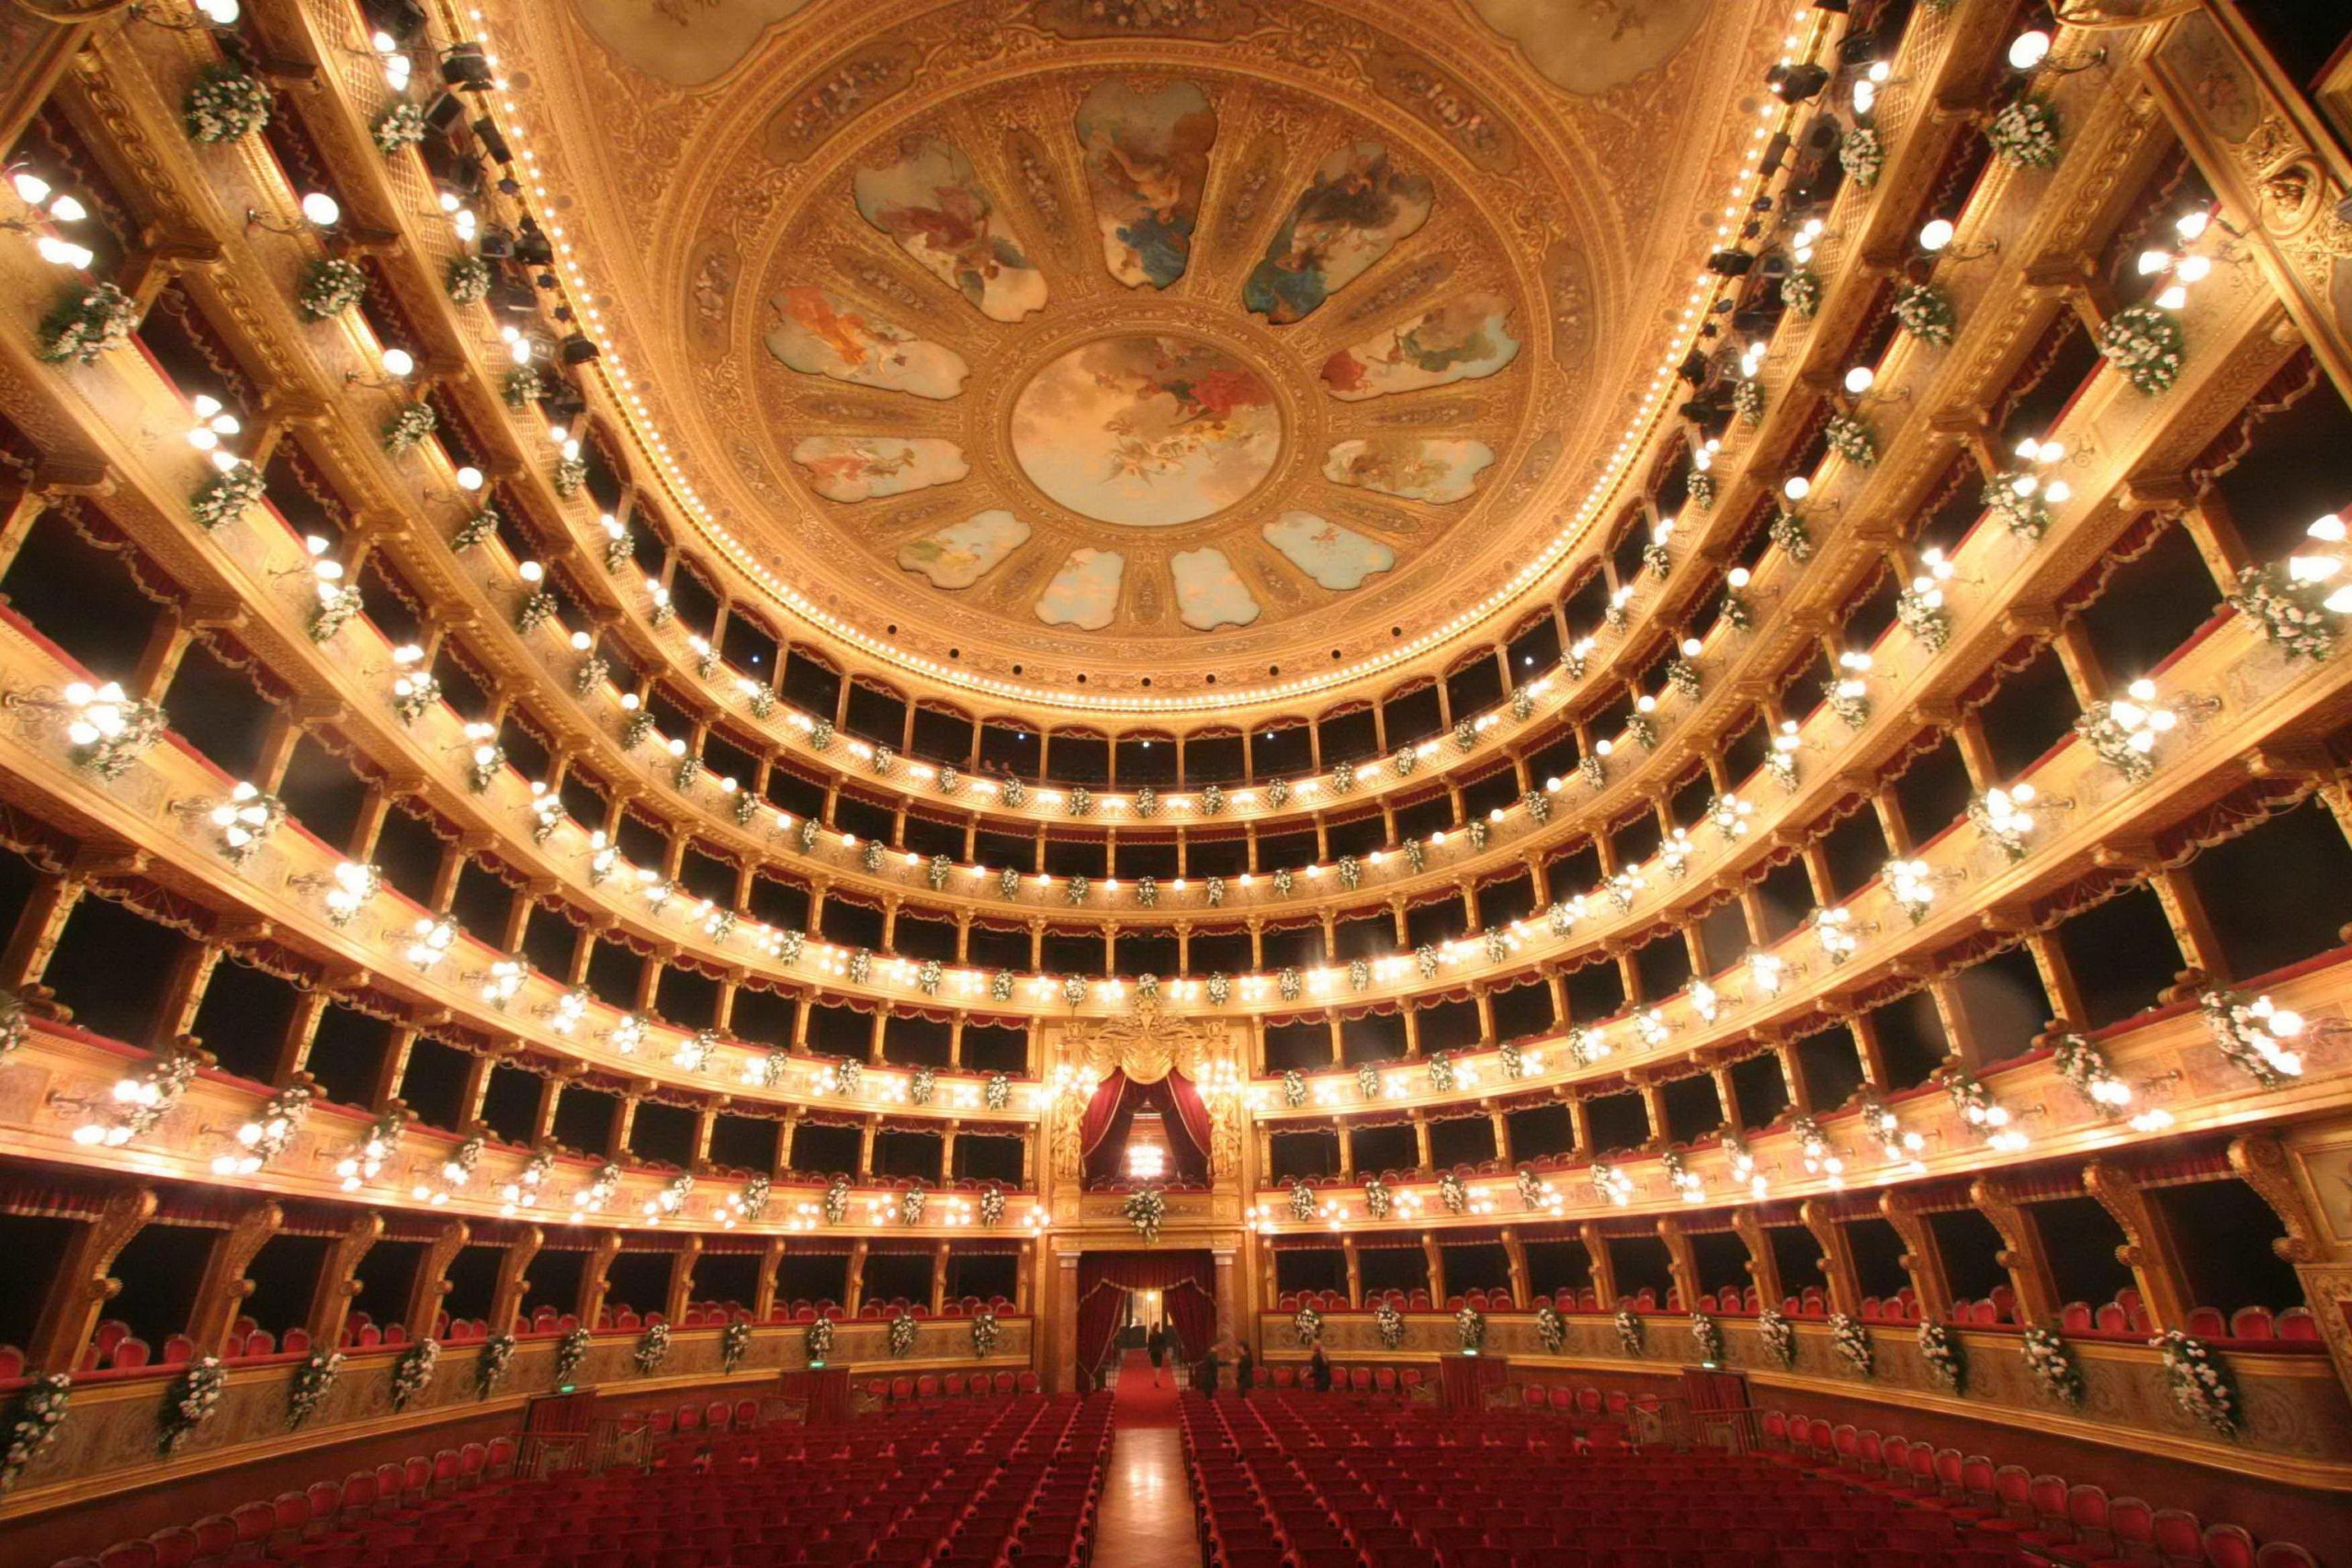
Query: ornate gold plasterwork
point(703, 202)
point(1146, 1044)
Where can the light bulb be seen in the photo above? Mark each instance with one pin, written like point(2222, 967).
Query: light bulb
point(1935, 234)
point(322, 210)
point(2028, 48)
point(398, 362)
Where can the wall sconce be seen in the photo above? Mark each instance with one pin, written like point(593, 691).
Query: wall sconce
point(1936, 242)
point(319, 211)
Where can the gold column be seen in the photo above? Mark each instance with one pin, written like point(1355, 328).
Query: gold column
point(223, 1287)
point(82, 1286)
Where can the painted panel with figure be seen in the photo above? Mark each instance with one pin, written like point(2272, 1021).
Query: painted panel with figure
point(931, 202)
point(1209, 592)
point(819, 333)
point(683, 43)
point(961, 554)
point(1085, 593)
point(1465, 339)
point(1354, 211)
point(1436, 471)
point(1146, 431)
point(1336, 558)
point(865, 467)
point(1587, 47)
point(1147, 160)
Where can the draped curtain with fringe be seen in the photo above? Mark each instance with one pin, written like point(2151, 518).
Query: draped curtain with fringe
point(1187, 1285)
point(1103, 1130)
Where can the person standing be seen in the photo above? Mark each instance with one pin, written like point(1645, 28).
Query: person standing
point(1318, 1371)
point(1155, 1345)
point(1245, 1373)
point(1206, 1378)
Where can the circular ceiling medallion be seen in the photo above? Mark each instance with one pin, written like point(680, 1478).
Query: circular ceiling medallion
point(1147, 430)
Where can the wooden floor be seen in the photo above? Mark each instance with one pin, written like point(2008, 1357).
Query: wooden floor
point(1147, 1519)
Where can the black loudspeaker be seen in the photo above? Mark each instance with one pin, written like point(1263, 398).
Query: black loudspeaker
point(578, 349)
point(494, 145)
point(465, 65)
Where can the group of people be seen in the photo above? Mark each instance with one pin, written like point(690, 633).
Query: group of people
point(1210, 1369)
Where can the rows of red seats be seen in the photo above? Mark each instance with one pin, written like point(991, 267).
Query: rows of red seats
point(2072, 1525)
point(958, 1486)
point(954, 1385)
point(1298, 1480)
point(280, 1529)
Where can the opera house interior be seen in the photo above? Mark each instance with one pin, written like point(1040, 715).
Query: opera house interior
point(1176, 783)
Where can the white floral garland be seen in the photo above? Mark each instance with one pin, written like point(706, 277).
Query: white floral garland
point(1389, 1324)
point(226, 497)
point(992, 1205)
point(468, 280)
point(1630, 1332)
point(331, 287)
point(1378, 1200)
point(41, 1412)
point(403, 125)
point(1926, 313)
point(193, 1399)
point(901, 1334)
point(407, 429)
point(1145, 1211)
point(1470, 1328)
point(1307, 1324)
point(570, 1352)
point(313, 1380)
point(2146, 347)
point(1708, 1337)
point(1788, 532)
point(1551, 1328)
point(225, 105)
point(652, 1348)
point(1852, 1343)
point(89, 322)
point(2053, 1366)
point(1946, 1367)
point(1850, 438)
point(2025, 133)
point(819, 1340)
point(733, 1341)
point(1862, 155)
point(984, 1334)
point(1779, 1336)
point(413, 1371)
point(2291, 613)
point(1800, 291)
point(496, 1360)
point(2201, 1385)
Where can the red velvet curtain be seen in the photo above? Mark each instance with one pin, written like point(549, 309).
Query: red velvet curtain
point(1103, 1130)
point(1102, 1112)
point(1191, 1313)
point(1192, 1113)
point(1186, 1282)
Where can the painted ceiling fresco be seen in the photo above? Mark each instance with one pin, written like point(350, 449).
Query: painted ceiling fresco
point(1126, 430)
point(1120, 332)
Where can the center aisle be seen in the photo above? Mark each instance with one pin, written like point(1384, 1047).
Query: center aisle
point(1146, 1503)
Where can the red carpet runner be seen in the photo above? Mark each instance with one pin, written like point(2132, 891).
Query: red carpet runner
point(1137, 1402)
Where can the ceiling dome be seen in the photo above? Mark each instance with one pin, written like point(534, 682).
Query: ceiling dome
point(1148, 340)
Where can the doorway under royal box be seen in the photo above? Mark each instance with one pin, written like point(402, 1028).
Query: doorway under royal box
point(1118, 1288)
